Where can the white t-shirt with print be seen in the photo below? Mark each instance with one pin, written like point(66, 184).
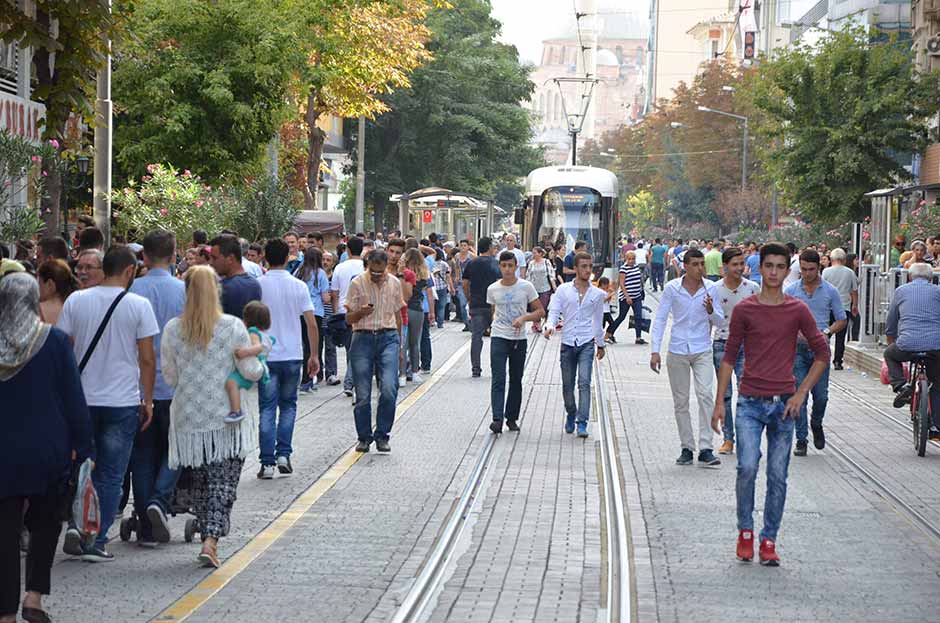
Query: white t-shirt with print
point(510, 302)
point(288, 298)
point(112, 375)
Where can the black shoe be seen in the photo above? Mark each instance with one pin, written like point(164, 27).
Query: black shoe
point(612, 339)
point(512, 425)
point(819, 437)
point(348, 393)
point(708, 458)
point(903, 396)
point(685, 458)
point(496, 426)
point(382, 445)
point(800, 448)
point(362, 446)
point(837, 365)
point(35, 615)
point(159, 523)
point(640, 340)
point(475, 375)
point(466, 330)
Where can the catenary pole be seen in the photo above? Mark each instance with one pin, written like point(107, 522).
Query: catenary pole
point(102, 175)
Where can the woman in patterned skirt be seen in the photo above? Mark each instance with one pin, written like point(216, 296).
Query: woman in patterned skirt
point(197, 356)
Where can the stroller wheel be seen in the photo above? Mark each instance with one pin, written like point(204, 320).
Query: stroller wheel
point(128, 526)
point(189, 530)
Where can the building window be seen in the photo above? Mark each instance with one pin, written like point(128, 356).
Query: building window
point(9, 65)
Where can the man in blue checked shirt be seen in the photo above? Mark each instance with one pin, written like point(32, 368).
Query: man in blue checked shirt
point(913, 327)
point(824, 302)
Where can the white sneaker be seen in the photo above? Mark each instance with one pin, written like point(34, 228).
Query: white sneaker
point(418, 379)
point(266, 472)
point(333, 380)
point(401, 381)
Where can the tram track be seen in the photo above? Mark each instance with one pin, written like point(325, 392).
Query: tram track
point(419, 602)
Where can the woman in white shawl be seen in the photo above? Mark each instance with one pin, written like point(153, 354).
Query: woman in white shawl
point(197, 356)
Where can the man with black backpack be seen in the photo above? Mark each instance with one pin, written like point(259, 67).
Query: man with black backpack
point(112, 332)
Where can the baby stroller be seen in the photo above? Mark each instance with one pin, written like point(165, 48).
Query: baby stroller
point(181, 504)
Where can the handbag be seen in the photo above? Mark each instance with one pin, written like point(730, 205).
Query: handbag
point(645, 323)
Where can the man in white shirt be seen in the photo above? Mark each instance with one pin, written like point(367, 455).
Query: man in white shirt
point(846, 282)
point(118, 375)
point(730, 291)
point(520, 256)
point(794, 274)
point(252, 268)
point(287, 299)
point(582, 306)
point(690, 301)
point(642, 254)
point(343, 275)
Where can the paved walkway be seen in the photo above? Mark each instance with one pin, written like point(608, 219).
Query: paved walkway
point(534, 549)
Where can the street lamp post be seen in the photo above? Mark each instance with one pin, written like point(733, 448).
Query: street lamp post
point(744, 152)
point(82, 162)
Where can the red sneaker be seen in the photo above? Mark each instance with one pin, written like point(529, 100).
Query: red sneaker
point(745, 545)
point(768, 554)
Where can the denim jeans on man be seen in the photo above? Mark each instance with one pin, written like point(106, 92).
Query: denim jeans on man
point(657, 275)
point(718, 352)
point(460, 300)
point(115, 428)
point(577, 361)
point(329, 352)
point(501, 352)
point(753, 417)
point(480, 320)
point(820, 393)
point(152, 479)
point(440, 307)
point(375, 353)
point(279, 394)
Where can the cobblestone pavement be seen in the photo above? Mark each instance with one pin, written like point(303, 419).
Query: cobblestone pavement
point(846, 553)
point(534, 549)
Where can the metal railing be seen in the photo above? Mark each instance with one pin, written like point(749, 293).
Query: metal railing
point(875, 292)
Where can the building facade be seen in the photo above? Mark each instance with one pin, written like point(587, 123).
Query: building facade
point(925, 34)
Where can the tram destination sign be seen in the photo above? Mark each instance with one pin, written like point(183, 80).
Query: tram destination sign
point(449, 203)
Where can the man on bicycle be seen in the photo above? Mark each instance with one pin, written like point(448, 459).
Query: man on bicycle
point(914, 327)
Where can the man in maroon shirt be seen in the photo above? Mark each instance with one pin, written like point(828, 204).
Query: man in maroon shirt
point(767, 324)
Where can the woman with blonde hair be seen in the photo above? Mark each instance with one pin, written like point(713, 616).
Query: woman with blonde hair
point(56, 283)
point(414, 261)
point(197, 356)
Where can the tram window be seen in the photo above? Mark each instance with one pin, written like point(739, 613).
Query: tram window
point(570, 214)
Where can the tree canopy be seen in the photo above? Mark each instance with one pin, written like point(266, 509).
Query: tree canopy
point(839, 117)
point(461, 124)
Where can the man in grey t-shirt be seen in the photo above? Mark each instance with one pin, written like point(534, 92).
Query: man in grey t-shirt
point(510, 298)
point(846, 282)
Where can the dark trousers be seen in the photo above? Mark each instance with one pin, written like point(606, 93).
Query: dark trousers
point(839, 353)
point(305, 378)
point(637, 306)
point(501, 352)
point(42, 521)
point(151, 477)
point(480, 319)
point(657, 275)
point(895, 357)
point(426, 344)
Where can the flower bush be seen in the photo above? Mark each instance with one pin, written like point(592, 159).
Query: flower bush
point(21, 174)
point(923, 222)
point(167, 199)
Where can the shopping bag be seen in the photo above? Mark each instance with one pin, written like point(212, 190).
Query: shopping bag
point(86, 513)
point(884, 373)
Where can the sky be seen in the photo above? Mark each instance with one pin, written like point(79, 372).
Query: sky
point(527, 22)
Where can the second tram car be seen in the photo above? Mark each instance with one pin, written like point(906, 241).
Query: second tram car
point(565, 204)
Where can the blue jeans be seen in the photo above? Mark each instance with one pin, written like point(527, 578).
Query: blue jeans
point(375, 353)
point(501, 352)
point(657, 275)
point(480, 320)
point(115, 428)
point(152, 479)
point(718, 351)
point(577, 361)
point(330, 364)
point(820, 392)
point(276, 431)
point(426, 343)
point(443, 298)
point(460, 301)
point(753, 417)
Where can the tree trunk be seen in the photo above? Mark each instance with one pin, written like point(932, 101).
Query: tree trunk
point(51, 204)
point(378, 208)
point(315, 139)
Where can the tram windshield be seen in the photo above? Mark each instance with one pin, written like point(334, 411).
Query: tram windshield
point(569, 214)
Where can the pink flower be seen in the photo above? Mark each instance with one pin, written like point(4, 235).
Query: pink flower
point(163, 212)
point(36, 159)
point(186, 173)
point(151, 168)
point(146, 178)
point(200, 203)
point(54, 143)
point(45, 174)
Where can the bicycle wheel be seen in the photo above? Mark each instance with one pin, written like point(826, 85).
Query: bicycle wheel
point(921, 411)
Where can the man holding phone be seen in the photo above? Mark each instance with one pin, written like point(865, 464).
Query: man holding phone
point(767, 326)
point(690, 301)
point(373, 309)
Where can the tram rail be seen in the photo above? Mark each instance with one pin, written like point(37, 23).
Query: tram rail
point(420, 599)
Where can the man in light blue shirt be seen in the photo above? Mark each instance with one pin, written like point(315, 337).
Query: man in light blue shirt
point(151, 477)
point(825, 304)
point(913, 326)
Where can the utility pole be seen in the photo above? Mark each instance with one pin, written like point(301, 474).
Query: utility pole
point(102, 176)
point(574, 148)
point(361, 176)
point(744, 159)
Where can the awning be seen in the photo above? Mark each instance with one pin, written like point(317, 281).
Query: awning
point(323, 221)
